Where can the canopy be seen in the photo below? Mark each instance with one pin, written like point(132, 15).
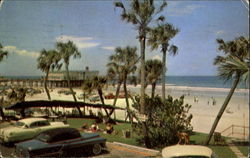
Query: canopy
point(57, 103)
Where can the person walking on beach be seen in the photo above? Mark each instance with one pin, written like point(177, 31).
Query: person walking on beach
point(214, 101)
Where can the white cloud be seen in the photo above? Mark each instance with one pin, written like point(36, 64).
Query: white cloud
point(109, 48)
point(81, 42)
point(179, 11)
point(158, 57)
point(219, 32)
point(22, 52)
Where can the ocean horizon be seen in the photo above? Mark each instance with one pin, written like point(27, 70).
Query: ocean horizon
point(189, 81)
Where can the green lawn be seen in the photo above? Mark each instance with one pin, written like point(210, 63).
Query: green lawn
point(244, 149)
point(197, 138)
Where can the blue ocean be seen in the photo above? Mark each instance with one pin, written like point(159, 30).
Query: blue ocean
point(202, 81)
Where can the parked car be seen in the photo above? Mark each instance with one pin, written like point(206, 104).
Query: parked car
point(187, 151)
point(94, 98)
point(69, 92)
point(62, 91)
point(27, 129)
point(81, 96)
point(109, 96)
point(66, 92)
point(61, 142)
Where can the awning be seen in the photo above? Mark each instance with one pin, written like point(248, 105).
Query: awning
point(57, 103)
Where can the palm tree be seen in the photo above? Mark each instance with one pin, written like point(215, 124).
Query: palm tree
point(46, 61)
point(123, 63)
point(67, 50)
point(96, 83)
point(235, 52)
point(141, 15)
point(160, 37)
point(2, 53)
point(153, 72)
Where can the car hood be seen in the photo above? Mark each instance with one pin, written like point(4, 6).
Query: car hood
point(89, 135)
point(32, 144)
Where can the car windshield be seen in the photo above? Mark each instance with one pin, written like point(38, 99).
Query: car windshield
point(43, 137)
point(19, 124)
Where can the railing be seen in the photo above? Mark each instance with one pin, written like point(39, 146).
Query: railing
point(236, 131)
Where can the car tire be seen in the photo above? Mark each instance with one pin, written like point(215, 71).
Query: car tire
point(96, 149)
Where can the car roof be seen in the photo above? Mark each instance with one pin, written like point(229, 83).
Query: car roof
point(57, 131)
point(186, 150)
point(28, 121)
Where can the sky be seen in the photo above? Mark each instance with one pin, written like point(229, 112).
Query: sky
point(28, 26)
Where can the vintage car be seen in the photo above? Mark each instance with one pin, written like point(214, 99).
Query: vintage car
point(62, 142)
point(28, 128)
point(94, 98)
point(187, 151)
point(109, 96)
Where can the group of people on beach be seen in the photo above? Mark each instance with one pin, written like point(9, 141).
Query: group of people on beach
point(213, 101)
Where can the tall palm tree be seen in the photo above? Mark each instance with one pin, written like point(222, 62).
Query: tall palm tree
point(235, 52)
point(2, 53)
point(123, 62)
point(160, 36)
point(153, 72)
point(96, 83)
point(46, 61)
point(141, 14)
point(67, 50)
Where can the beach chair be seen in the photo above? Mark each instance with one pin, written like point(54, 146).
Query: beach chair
point(218, 139)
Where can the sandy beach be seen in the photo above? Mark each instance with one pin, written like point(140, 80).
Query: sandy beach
point(204, 112)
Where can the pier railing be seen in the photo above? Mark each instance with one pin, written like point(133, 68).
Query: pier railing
point(236, 131)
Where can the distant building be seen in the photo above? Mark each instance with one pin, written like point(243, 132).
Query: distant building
point(74, 75)
point(59, 78)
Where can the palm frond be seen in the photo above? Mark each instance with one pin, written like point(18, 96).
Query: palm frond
point(2, 53)
point(173, 50)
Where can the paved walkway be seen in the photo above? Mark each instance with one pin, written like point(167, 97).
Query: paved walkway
point(236, 151)
point(120, 150)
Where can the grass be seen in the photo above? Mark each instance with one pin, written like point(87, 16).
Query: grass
point(197, 138)
point(244, 149)
point(220, 150)
point(77, 123)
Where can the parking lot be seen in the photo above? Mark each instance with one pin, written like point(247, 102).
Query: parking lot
point(114, 150)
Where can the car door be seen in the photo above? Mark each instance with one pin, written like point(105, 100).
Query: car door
point(43, 126)
point(28, 132)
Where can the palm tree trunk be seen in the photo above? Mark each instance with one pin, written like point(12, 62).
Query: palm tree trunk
point(153, 89)
point(126, 95)
point(231, 92)
point(70, 88)
point(142, 100)
point(116, 95)
point(45, 85)
point(102, 100)
point(163, 75)
point(1, 109)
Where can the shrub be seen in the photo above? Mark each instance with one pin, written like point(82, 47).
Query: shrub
point(164, 120)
